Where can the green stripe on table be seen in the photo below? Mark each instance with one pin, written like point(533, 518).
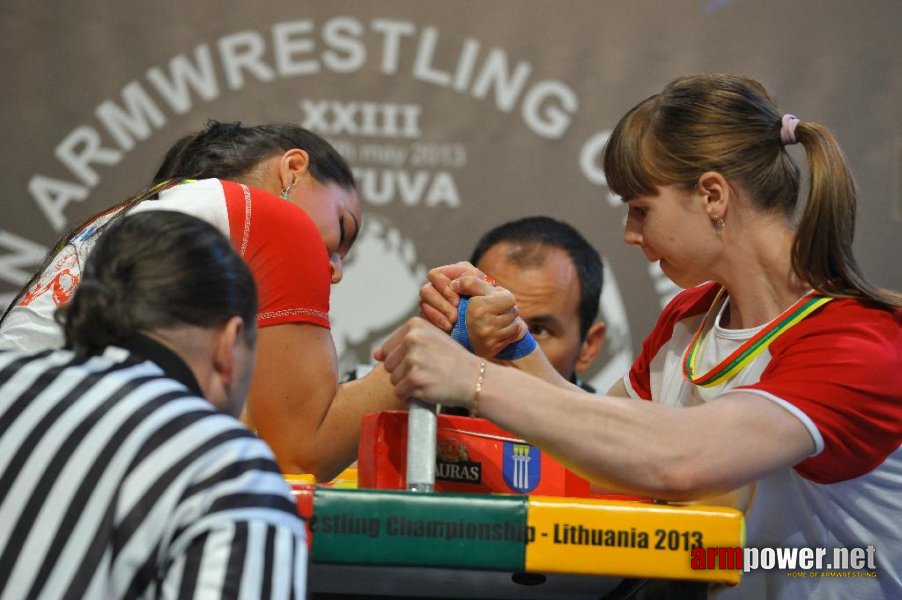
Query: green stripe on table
point(459, 531)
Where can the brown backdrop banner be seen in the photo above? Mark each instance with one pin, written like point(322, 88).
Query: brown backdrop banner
point(456, 116)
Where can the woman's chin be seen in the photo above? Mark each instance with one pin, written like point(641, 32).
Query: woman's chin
point(678, 277)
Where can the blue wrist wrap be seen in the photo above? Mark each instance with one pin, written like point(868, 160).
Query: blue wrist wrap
point(518, 349)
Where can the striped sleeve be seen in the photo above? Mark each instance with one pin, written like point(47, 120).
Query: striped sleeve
point(236, 530)
point(116, 482)
point(245, 559)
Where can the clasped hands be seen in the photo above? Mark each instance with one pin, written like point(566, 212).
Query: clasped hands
point(491, 318)
point(423, 360)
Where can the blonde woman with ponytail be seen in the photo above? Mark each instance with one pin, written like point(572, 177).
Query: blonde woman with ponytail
point(777, 371)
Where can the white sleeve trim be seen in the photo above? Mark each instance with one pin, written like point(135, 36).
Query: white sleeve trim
point(204, 199)
point(813, 431)
point(629, 388)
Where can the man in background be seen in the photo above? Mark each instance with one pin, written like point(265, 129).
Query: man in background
point(556, 277)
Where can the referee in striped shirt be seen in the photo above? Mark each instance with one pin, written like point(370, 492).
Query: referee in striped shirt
point(123, 472)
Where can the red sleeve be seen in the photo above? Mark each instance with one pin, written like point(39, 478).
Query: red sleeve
point(285, 253)
point(842, 367)
point(686, 304)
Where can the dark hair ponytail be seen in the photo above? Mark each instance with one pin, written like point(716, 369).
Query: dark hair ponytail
point(157, 269)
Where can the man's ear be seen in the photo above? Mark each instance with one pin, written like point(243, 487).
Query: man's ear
point(590, 347)
point(294, 163)
point(715, 192)
point(225, 361)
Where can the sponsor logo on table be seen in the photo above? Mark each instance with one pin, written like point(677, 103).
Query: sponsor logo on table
point(522, 467)
point(452, 463)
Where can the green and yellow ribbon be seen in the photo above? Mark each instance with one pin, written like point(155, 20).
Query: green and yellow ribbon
point(730, 366)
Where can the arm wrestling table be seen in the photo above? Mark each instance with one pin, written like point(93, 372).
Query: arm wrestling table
point(368, 543)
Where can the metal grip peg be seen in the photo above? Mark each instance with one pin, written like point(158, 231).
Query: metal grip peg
point(422, 423)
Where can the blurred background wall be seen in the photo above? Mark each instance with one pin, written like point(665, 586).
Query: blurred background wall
point(456, 116)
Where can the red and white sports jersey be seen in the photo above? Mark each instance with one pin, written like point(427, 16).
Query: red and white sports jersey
point(839, 371)
point(278, 241)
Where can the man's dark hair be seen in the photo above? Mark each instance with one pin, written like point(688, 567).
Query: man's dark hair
point(534, 234)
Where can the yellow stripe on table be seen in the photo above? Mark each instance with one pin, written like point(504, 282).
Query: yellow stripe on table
point(628, 538)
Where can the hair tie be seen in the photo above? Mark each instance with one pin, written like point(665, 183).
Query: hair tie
point(788, 129)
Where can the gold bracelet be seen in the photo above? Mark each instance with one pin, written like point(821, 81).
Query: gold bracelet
point(474, 410)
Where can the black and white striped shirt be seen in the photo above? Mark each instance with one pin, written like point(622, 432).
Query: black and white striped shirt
point(118, 481)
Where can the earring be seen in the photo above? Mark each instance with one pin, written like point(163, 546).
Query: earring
point(719, 222)
point(284, 194)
